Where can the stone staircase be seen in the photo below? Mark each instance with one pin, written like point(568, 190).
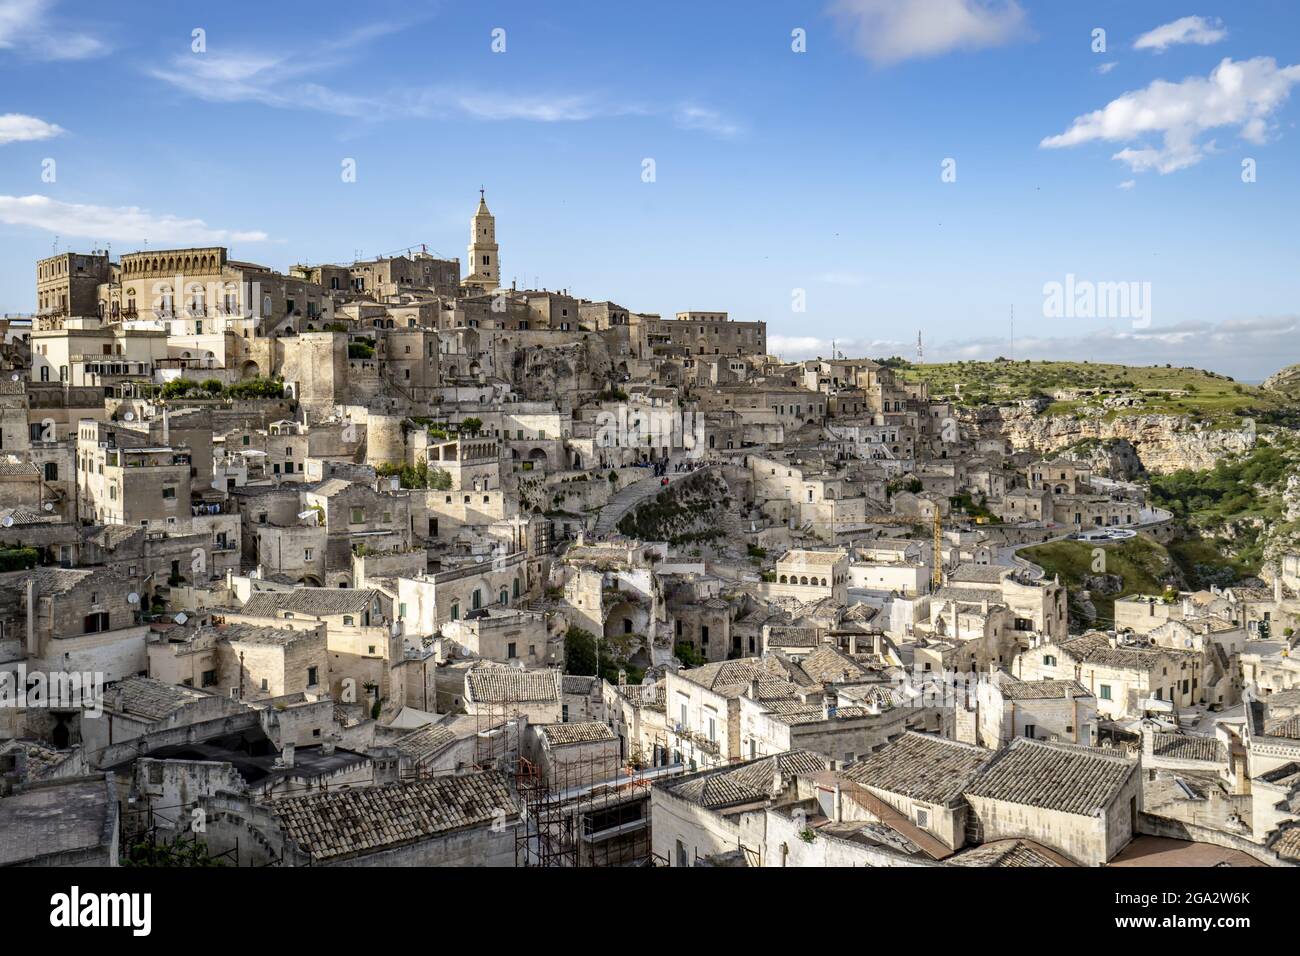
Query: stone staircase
point(629, 496)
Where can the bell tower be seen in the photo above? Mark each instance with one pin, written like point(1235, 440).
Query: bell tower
point(484, 266)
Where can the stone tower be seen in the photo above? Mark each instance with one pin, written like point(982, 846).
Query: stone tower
point(484, 265)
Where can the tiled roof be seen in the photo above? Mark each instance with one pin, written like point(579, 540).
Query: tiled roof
point(828, 665)
point(489, 684)
point(1042, 689)
point(1287, 846)
point(744, 783)
point(148, 699)
point(1005, 853)
point(979, 573)
point(588, 732)
point(425, 741)
point(1095, 649)
point(577, 684)
point(260, 634)
point(314, 601)
point(345, 823)
point(1183, 747)
point(1061, 777)
point(1288, 727)
point(920, 766)
point(732, 678)
point(802, 556)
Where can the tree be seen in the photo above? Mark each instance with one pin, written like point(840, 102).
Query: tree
point(178, 387)
point(579, 652)
point(471, 426)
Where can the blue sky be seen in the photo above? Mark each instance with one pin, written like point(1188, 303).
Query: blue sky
point(775, 171)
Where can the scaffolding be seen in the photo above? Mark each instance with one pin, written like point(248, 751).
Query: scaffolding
point(574, 814)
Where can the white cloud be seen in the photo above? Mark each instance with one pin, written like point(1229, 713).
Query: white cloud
point(113, 223)
point(706, 120)
point(1243, 94)
point(27, 28)
point(1128, 184)
point(1197, 30)
point(890, 31)
point(289, 80)
point(17, 128)
point(1104, 68)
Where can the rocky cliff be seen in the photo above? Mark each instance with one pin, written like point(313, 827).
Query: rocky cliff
point(1163, 443)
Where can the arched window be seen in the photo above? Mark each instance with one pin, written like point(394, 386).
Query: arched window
point(505, 596)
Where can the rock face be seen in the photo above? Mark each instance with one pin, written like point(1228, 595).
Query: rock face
point(1163, 443)
point(559, 372)
point(1286, 381)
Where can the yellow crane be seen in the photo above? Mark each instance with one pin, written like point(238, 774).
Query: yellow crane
point(936, 571)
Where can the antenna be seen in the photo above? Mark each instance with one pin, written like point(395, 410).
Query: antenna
point(920, 349)
point(1011, 344)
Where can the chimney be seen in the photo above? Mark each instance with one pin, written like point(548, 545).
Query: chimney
point(286, 755)
point(33, 651)
point(853, 645)
point(327, 745)
point(752, 692)
point(829, 704)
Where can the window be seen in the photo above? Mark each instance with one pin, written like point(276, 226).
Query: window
point(455, 611)
point(1105, 691)
point(510, 650)
point(307, 554)
point(209, 678)
point(1049, 660)
point(311, 677)
point(265, 686)
point(51, 471)
point(476, 599)
point(923, 818)
point(347, 620)
point(358, 516)
point(96, 623)
point(169, 493)
point(1031, 731)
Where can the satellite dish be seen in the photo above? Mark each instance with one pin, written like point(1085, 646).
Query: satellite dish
point(8, 521)
point(180, 618)
point(49, 506)
point(128, 416)
point(14, 377)
point(133, 598)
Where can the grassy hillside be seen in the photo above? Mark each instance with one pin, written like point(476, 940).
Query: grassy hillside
point(1160, 390)
point(1142, 564)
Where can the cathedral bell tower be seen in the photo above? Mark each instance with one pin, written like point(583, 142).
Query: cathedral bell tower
point(484, 266)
